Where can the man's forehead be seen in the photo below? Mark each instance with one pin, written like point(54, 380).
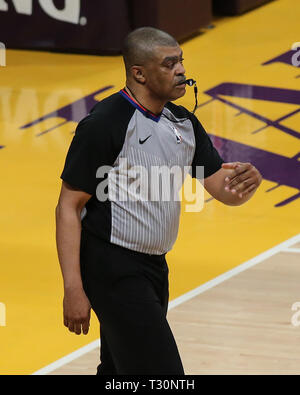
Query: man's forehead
point(161, 53)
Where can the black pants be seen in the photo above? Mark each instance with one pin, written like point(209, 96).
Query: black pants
point(129, 293)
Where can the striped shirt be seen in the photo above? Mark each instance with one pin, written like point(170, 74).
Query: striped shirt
point(119, 149)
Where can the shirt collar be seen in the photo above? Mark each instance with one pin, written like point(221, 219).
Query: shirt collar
point(138, 106)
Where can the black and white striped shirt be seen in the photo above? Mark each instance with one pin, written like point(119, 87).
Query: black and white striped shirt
point(121, 135)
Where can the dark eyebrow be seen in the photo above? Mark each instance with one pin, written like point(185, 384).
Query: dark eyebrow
point(172, 58)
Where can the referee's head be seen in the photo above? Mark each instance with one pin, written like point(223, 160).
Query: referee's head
point(153, 62)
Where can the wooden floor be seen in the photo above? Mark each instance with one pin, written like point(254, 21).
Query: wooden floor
point(240, 326)
point(232, 281)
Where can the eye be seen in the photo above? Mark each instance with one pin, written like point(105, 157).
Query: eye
point(170, 65)
point(174, 63)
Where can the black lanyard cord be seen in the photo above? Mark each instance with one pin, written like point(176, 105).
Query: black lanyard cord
point(189, 82)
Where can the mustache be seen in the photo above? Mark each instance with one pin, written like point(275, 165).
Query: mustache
point(182, 81)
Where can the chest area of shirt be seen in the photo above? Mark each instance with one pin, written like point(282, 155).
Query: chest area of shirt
point(164, 142)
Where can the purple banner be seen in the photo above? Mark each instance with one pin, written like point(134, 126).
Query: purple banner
point(97, 27)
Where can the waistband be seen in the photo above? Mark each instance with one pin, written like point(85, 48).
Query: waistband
point(96, 238)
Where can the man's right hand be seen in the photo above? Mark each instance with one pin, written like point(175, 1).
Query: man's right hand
point(77, 311)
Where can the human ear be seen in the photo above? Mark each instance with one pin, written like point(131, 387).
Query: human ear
point(138, 74)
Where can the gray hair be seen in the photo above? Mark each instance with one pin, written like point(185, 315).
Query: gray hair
point(139, 45)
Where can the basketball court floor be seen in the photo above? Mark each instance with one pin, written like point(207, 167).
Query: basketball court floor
point(234, 271)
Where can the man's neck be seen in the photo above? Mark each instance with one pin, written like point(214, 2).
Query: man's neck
point(146, 100)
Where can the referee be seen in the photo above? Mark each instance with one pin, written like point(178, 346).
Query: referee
point(112, 251)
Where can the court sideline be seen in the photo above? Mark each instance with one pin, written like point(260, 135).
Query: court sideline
point(239, 323)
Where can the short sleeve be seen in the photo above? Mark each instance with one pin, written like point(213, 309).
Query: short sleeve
point(91, 147)
point(206, 154)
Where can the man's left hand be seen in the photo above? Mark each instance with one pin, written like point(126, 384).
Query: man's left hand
point(245, 178)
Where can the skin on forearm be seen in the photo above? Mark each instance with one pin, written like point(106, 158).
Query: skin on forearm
point(68, 234)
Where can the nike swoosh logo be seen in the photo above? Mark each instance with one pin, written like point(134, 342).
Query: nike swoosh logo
point(143, 141)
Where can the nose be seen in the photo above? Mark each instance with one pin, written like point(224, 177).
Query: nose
point(180, 69)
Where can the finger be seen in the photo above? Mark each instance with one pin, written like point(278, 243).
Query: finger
point(71, 326)
point(66, 322)
point(242, 185)
point(230, 165)
point(241, 168)
point(233, 182)
point(248, 190)
point(77, 328)
point(85, 327)
point(86, 324)
point(241, 178)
